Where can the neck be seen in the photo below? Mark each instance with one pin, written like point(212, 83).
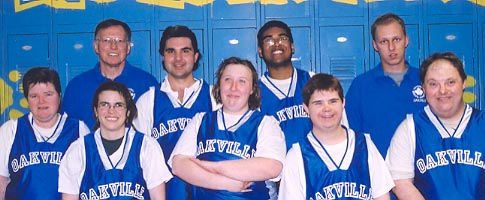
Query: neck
point(235, 112)
point(399, 68)
point(330, 136)
point(111, 72)
point(179, 85)
point(281, 73)
point(48, 124)
point(112, 134)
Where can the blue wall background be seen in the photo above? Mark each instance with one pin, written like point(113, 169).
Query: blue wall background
point(330, 36)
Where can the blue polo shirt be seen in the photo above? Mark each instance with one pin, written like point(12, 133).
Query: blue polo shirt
point(375, 104)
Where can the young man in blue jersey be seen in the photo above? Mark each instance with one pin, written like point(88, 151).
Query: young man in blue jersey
point(388, 91)
point(31, 147)
point(332, 161)
point(281, 85)
point(112, 44)
point(165, 111)
point(436, 152)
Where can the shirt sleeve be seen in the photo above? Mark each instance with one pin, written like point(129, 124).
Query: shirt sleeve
point(400, 155)
point(7, 135)
point(144, 120)
point(293, 181)
point(72, 168)
point(187, 144)
point(271, 140)
point(83, 129)
point(155, 170)
point(380, 177)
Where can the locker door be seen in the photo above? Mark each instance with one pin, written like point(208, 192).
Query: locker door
point(401, 8)
point(334, 9)
point(21, 13)
point(223, 10)
point(303, 40)
point(178, 11)
point(141, 53)
point(291, 9)
point(228, 42)
point(129, 11)
point(342, 52)
point(75, 55)
point(78, 13)
point(456, 38)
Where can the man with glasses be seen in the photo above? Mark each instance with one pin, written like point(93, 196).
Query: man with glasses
point(281, 85)
point(112, 44)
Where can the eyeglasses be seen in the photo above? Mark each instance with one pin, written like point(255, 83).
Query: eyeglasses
point(269, 41)
point(109, 40)
point(106, 106)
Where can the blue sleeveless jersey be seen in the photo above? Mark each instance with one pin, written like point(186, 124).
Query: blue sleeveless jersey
point(169, 123)
point(449, 168)
point(126, 183)
point(219, 145)
point(34, 166)
point(294, 121)
point(321, 183)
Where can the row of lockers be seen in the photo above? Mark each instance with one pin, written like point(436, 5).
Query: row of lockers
point(329, 37)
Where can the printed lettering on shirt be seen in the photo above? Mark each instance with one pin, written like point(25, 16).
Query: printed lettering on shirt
point(291, 112)
point(171, 126)
point(447, 157)
point(36, 157)
point(225, 146)
point(343, 190)
point(117, 189)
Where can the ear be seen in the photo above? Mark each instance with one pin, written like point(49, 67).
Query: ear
point(306, 108)
point(406, 41)
point(96, 47)
point(128, 48)
point(260, 52)
point(196, 56)
point(374, 44)
point(292, 48)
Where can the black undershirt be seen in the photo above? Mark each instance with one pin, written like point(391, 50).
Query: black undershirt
point(111, 145)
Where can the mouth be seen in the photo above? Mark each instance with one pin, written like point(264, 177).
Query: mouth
point(113, 54)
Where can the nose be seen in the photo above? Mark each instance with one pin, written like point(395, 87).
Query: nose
point(178, 56)
point(113, 44)
point(443, 88)
point(392, 46)
point(234, 85)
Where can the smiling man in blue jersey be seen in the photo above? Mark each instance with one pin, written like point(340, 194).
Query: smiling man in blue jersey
point(165, 111)
point(281, 85)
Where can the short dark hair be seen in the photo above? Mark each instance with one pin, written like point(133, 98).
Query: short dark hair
point(180, 31)
point(321, 82)
point(271, 24)
point(125, 93)
point(113, 22)
point(254, 100)
point(386, 19)
point(448, 56)
point(41, 75)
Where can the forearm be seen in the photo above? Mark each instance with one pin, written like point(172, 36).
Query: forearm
point(69, 196)
point(252, 169)
point(3, 186)
point(185, 168)
point(405, 189)
point(158, 192)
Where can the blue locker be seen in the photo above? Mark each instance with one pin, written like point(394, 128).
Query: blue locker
point(228, 42)
point(141, 54)
point(129, 11)
point(179, 12)
point(334, 9)
point(28, 50)
point(455, 38)
point(342, 52)
point(26, 13)
point(78, 12)
point(401, 8)
point(75, 54)
point(222, 10)
point(291, 9)
point(303, 40)
point(457, 7)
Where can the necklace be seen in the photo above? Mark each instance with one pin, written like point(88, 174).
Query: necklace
point(328, 155)
point(124, 147)
point(289, 88)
